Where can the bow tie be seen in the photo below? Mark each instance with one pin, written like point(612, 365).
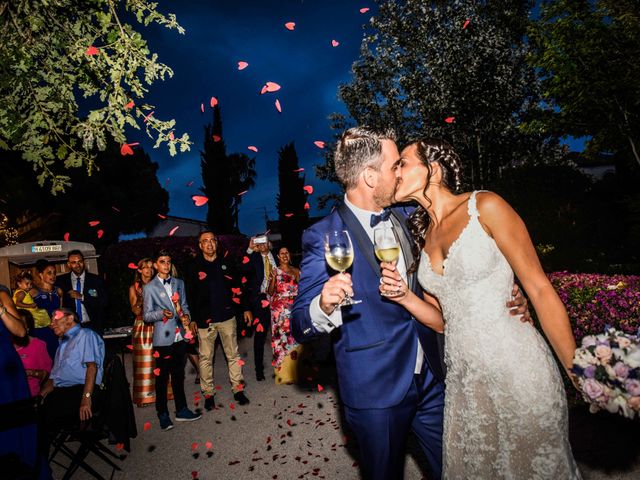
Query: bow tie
point(166, 281)
point(376, 219)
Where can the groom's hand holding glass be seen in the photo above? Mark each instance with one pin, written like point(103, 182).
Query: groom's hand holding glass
point(334, 291)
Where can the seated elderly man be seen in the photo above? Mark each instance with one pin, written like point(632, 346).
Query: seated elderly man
point(72, 391)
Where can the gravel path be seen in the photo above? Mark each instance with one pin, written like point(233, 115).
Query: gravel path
point(291, 432)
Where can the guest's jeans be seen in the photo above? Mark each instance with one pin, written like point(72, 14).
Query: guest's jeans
point(206, 349)
point(171, 361)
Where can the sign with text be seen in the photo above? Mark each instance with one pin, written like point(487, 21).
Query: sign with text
point(46, 248)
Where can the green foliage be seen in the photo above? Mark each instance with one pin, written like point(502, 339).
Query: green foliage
point(123, 194)
point(225, 178)
point(586, 52)
point(294, 218)
point(418, 67)
point(73, 76)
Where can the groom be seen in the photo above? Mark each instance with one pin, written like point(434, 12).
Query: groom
point(389, 366)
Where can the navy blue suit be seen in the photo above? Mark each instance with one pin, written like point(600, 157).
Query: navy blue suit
point(375, 350)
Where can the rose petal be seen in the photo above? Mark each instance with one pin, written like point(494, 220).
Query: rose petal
point(93, 223)
point(92, 50)
point(264, 303)
point(100, 233)
point(156, 371)
point(163, 217)
point(147, 426)
point(66, 237)
point(450, 119)
point(156, 354)
point(252, 148)
point(308, 189)
point(272, 87)
point(298, 170)
point(132, 266)
point(216, 138)
point(259, 328)
point(242, 193)
point(199, 200)
point(129, 105)
point(334, 43)
point(245, 260)
point(290, 25)
point(213, 102)
point(278, 107)
point(364, 10)
point(319, 144)
point(320, 388)
point(466, 24)
point(307, 206)
point(202, 107)
point(202, 275)
point(173, 230)
point(242, 65)
point(209, 445)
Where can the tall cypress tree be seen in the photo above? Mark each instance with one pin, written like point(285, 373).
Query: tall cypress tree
point(224, 178)
point(292, 199)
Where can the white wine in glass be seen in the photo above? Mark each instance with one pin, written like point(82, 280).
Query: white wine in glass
point(387, 248)
point(338, 252)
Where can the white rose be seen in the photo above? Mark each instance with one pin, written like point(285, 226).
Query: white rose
point(633, 359)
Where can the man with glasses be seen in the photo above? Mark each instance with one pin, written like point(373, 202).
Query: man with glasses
point(211, 296)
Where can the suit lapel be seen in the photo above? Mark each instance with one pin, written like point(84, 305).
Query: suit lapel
point(405, 243)
point(360, 236)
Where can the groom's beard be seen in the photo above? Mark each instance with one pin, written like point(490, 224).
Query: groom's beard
point(384, 196)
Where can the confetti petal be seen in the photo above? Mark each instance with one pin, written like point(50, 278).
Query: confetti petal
point(173, 230)
point(245, 260)
point(119, 446)
point(209, 445)
point(334, 43)
point(466, 23)
point(156, 371)
point(272, 87)
point(264, 303)
point(259, 328)
point(307, 206)
point(320, 388)
point(147, 426)
point(278, 107)
point(297, 170)
point(290, 25)
point(450, 119)
point(308, 189)
point(242, 193)
point(194, 446)
point(163, 217)
point(126, 149)
point(216, 138)
point(129, 105)
point(199, 200)
point(213, 102)
point(92, 50)
point(241, 362)
point(232, 406)
point(156, 354)
point(319, 144)
point(93, 223)
point(66, 237)
point(132, 266)
point(252, 148)
point(202, 107)
point(364, 10)
point(244, 280)
point(202, 275)
point(242, 65)
point(189, 183)
point(58, 314)
point(100, 233)
point(130, 347)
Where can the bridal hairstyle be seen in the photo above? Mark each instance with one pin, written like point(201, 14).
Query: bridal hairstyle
point(359, 148)
point(432, 150)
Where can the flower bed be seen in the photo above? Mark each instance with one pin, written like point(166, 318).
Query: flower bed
point(594, 301)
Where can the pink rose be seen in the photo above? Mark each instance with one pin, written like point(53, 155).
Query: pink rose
point(175, 297)
point(603, 353)
point(633, 387)
point(623, 342)
point(592, 388)
point(621, 370)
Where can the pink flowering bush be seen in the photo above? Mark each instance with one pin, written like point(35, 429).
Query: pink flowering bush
point(594, 301)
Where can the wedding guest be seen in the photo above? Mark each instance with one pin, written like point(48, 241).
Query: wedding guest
point(47, 297)
point(283, 288)
point(165, 305)
point(261, 263)
point(33, 354)
point(17, 445)
point(23, 299)
point(210, 296)
point(85, 292)
point(72, 392)
point(142, 339)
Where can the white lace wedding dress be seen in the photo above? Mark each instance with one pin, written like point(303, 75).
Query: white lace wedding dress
point(505, 410)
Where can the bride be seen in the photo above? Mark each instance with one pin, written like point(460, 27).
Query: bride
point(505, 405)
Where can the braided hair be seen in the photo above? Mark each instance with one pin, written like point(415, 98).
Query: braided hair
point(432, 150)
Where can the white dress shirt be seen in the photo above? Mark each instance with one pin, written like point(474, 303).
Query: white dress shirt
point(326, 323)
point(74, 282)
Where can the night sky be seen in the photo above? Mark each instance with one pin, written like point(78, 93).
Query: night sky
point(309, 69)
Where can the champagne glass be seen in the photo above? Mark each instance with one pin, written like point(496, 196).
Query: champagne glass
point(387, 248)
point(338, 252)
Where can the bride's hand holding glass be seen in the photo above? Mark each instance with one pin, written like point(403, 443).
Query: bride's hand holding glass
point(392, 286)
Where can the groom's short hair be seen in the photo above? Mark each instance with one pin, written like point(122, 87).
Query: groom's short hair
point(359, 148)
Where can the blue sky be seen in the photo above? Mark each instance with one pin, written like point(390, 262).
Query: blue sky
point(302, 61)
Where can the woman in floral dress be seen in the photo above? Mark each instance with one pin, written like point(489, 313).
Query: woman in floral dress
point(283, 288)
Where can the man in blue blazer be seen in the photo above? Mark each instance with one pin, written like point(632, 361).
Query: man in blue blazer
point(390, 368)
point(165, 305)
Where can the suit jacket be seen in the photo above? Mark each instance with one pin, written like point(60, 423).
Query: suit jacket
point(154, 301)
point(94, 298)
point(198, 290)
point(256, 275)
point(375, 348)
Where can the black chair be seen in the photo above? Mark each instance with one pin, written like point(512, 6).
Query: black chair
point(89, 436)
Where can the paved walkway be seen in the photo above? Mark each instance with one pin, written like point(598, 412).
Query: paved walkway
point(292, 432)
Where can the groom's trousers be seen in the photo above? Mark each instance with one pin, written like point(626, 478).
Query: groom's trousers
point(382, 433)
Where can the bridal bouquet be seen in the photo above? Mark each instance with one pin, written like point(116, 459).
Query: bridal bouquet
point(607, 367)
